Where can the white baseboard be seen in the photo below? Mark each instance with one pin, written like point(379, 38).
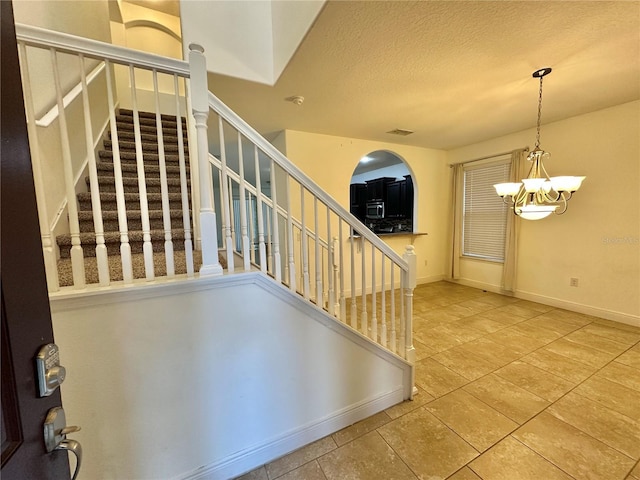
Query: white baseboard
point(430, 279)
point(480, 285)
point(258, 455)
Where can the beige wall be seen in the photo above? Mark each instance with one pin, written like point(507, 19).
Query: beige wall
point(598, 239)
point(330, 162)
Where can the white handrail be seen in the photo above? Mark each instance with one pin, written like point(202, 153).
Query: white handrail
point(48, 118)
point(239, 124)
point(64, 42)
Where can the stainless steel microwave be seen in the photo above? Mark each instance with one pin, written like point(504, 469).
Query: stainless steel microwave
point(375, 210)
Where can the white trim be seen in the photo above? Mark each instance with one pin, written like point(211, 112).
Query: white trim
point(429, 279)
point(252, 457)
point(63, 42)
point(48, 118)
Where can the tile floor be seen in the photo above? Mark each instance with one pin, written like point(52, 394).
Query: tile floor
point(509, 390)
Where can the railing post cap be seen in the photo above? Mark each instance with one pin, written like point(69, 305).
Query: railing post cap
point(194, 47)
point(410, 249)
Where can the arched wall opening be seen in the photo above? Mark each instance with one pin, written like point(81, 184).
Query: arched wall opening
point(382, 193)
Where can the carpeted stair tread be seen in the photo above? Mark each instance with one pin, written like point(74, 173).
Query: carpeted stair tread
point(166, 122)
point(85, 215)
point(151, 129)
point(107, 184)
point(147, 137)
point(146, 147)
point(110, 220)
point(89, 238)
point(130, 156)
point(129, 113)
point(129, 169)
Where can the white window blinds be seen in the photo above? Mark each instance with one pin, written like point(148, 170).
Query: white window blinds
point(484, 215)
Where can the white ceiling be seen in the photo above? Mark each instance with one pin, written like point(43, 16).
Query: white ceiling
point(454, 72)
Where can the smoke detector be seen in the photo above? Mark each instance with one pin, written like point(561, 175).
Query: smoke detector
point(295, 99)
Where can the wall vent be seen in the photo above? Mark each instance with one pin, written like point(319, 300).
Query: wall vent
point(400, 131)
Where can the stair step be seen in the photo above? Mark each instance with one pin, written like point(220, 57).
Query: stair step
point(134, 222)
point(152, 158)
point(129, 113)
point(132, 200)
point(130, 184)
point(146, 120)
point(146, 147)
point(147, 137)
point(112, 242)
point(105, 166)
point(149, 129)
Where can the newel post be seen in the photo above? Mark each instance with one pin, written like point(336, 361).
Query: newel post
point(409, 284)
point(200, 109)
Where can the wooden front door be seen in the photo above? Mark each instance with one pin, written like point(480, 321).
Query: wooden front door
point(26, 318)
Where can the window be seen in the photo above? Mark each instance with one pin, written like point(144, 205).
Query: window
point(484, 214)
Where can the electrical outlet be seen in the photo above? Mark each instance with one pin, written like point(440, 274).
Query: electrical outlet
point(573, 282)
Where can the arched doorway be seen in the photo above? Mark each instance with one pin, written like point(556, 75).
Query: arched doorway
point(382, 193)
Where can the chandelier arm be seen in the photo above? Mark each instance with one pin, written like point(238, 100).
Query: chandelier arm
point(564, 206)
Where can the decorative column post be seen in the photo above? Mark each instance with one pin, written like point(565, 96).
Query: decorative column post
point(409, 284)
point(200, 110)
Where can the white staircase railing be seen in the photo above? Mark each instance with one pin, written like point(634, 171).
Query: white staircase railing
point(248, 197)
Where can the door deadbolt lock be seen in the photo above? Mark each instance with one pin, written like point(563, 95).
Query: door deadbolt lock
point(55, 436)
point(50, 373)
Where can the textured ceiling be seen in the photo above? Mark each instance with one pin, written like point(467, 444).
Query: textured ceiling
point(454, 72)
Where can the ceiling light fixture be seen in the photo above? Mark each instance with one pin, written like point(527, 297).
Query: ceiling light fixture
point(295, 99)
point(538, 196)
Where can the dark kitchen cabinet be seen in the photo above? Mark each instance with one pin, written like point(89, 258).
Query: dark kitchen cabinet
point(406, 194)
point(358, 200)
point(399, 198)
point(376, 189)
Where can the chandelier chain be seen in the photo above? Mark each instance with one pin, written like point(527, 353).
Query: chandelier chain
point(537, 146)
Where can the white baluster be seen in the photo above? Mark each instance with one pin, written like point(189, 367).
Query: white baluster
point(184, 190)
point(409, 284)
point(402, 338)
point(232, 213)
point(200, 109)
point(305, 248)
point(164, 186)
point(374, 308)
point(365, 321)
point(334, 256)
point(354, 307)
point(252, 233)
point(125, 246)
point(259, 205)
point(101, 249)
point(394, 340)
point(269, 253)
point(49, 254)
point(246, 249)
point(383, 305)
point(277, 266)
point(77, 256)
point(290, 247)
point(318, 263)
point(147, 247)
point(343, 305)
point(226, 200)
point(331, 298)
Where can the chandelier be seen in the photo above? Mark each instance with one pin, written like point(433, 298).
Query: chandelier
point(538, 196)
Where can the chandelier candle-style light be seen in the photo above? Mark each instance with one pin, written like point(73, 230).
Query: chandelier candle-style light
point(538, 196)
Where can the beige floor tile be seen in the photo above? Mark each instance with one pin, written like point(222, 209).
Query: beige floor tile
point(472, 419)
point(464, 474)
point(477, 305)
point(538, 307)
point(596, 341)
point(580, 353)
point(422, 351)
point(608, 426)
point(618, 325)
point(520, 310)
point(614, 333)
point(309, 471)
point(622, 374)
point(559, 365)
point(427, 445)
point(572, 317)
point(483, 324)
point(257, 474)
point(509, 399)
point(535, 380)
point(529, 329)
point(495, 299)
point(419, 399)
point(520, 344)
point(301, 456)
point(436, 339)
point(501, 316)
point(549, 322)
point(572, 450)
point(464, 363)
point(630, 358)
point(436, 379)
point(636, 471)
point(366, 457)
point(511, 460)
point(360, 428)
point(612, 395)
point(490, 351)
